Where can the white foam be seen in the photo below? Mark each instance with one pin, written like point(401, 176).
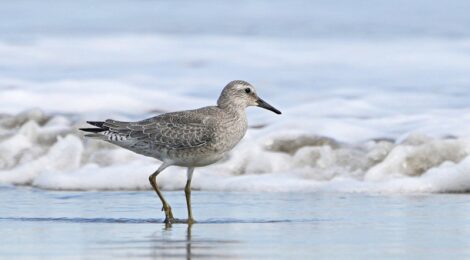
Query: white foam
point(45, 152)
point(281, 162)
point(345, 126)
point(64, 155)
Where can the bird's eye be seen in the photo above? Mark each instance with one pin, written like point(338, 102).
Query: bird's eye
point(248, 90)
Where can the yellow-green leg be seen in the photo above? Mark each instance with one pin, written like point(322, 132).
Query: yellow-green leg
point(166, 207)
point(187, 191)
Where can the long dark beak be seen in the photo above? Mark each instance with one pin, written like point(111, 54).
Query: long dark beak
point(263, 104)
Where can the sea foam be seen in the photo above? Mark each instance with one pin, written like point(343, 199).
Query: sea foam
point(358, 115)
point(48, 152)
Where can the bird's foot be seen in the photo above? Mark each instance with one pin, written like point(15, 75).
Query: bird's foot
point(191, 221)
point(168, 214)
point(169, 221)
point(181, 221)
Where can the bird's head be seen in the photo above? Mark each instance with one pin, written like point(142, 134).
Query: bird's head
point(239, 93)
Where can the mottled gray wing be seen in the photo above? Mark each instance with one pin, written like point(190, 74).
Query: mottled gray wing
point(173, 130)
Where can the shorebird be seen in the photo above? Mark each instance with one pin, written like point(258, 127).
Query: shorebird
point(192, 138)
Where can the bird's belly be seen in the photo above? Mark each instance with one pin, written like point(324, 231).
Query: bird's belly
point(194, 159)
point(211, 152)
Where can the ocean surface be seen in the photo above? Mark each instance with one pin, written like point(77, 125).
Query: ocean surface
point(375, 100)
point(233, 225)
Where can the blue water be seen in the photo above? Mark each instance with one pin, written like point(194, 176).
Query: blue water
point(298, 18)
point(320, 49)
point(287, 26)
point(49, 224)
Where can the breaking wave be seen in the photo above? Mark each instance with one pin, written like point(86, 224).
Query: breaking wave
point(346, 127)
point(46, 151)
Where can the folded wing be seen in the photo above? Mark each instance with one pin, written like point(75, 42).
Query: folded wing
point(173, 130)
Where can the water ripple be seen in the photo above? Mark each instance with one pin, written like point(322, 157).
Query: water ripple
point(154, 220)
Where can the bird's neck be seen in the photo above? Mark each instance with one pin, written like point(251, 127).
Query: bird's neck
point(233, 108)
point(235, 119)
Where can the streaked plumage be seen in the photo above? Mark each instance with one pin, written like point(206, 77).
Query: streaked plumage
point(191, 138)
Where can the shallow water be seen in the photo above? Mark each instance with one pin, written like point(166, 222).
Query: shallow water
point(47, 224)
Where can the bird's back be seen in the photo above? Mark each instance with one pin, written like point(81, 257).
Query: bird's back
point(186, 138)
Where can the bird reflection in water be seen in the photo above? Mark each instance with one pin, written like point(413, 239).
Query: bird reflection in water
point(189, 247)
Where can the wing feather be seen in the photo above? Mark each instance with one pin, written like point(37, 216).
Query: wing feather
point(179, 130)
